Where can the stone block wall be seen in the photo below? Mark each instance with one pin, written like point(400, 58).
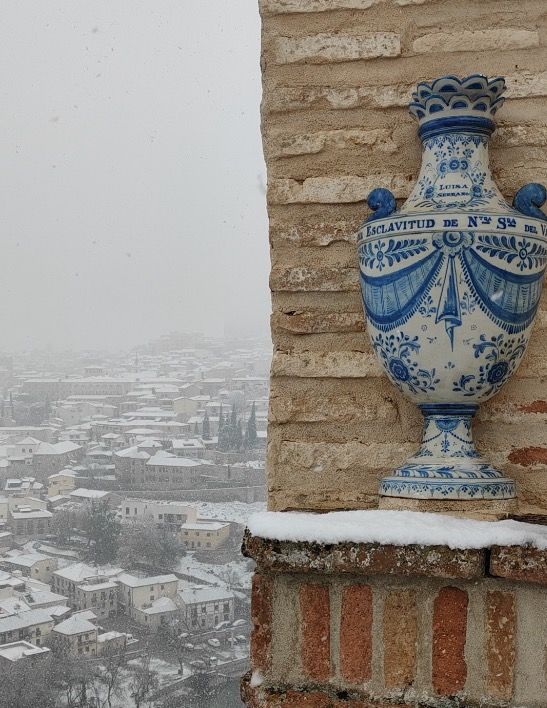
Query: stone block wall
point(364, 626)
point(337, 78)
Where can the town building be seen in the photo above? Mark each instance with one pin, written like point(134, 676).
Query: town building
point(167, 514)
point(61, 483)
point(16, 651)
point(31, 625)
point(135, 592)
point(32, 565)
point(204, 535)
point(65, 581)
point(157, 613)
point(203, 607)
point(99, 595)
point(75, 636)
point(26, 521)
point(113, 642)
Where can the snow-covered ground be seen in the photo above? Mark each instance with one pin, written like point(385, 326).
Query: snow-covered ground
point(235, 574)
point(395, 527)
point(228, 511)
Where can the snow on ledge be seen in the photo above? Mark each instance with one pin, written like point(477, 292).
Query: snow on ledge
point(400, 528)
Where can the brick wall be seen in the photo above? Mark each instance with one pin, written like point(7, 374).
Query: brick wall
point(364, 626)
point(337, 78)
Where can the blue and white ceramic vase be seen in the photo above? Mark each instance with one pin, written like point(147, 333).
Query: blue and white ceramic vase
point(451, 283)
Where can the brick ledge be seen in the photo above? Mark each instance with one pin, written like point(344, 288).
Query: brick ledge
point(363, 558)
point(518, 563)
point(307, 697)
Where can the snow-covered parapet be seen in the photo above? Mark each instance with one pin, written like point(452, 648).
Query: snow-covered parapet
point(399, 528)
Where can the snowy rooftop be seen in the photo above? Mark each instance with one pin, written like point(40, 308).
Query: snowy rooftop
point(401, 528)
point(196, 593)
point(31, 514)
point(80, 572)
point(134, 582)
point(27, 560)
point(165, 461)
point(161, 604)
point(19, 650)
point(204, 525)
point(22, 620)
point(75, 625)
point(82, 493)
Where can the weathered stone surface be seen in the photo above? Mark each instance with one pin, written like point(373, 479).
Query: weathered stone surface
point(290, 6)
point(449, 669)
point(516, 135)
point(356, 634)
point(338, 457)
point(520, 84)
point(316, 321)
point(283, 145)
point(335, 190)
point(287, 98)
point(400, 638)
point(315, 631)
point(328, 364)
point(309, 279)
point(317, 407)
point(302, 6)
point(519, 563)
point(321, 233)
point(328, 47)
point(363, 559)
point(469, 40)
point(500, 643)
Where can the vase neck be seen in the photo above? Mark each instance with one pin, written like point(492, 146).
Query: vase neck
point(447, 432)
point(454, 174)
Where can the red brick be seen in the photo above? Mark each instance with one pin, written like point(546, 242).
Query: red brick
point(526, 456)
point(261, 618)
point(356, 634)
point(315, 637)
point(449, 635)
point(400, 619)
point(500, 643)
point(519, 563)
point(534, 407)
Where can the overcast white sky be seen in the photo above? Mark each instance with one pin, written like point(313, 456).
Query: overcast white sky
point(131, 171)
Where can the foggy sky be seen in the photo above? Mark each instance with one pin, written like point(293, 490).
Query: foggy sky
point(131, 171)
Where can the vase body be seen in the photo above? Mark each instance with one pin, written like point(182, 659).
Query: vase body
point(451, 283)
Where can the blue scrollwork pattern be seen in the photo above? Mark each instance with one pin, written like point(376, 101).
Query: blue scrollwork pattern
point(397, 352)
point(501, 356)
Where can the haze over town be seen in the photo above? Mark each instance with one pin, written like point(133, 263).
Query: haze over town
point(132, 174)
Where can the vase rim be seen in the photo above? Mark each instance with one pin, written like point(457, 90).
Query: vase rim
point(475, 96)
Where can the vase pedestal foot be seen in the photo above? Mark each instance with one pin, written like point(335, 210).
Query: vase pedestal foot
point(485, 510)
point(447, 473)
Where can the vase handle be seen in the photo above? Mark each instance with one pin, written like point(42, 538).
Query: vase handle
point(529, 199)
point(382, 202)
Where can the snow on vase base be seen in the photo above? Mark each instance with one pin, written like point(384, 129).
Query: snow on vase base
point(451, 283)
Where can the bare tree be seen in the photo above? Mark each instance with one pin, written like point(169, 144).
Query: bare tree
point(110, 673)
point(143, 682)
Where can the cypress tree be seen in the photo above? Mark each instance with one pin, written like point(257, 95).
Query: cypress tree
point(206, 429)
point(251, 436)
